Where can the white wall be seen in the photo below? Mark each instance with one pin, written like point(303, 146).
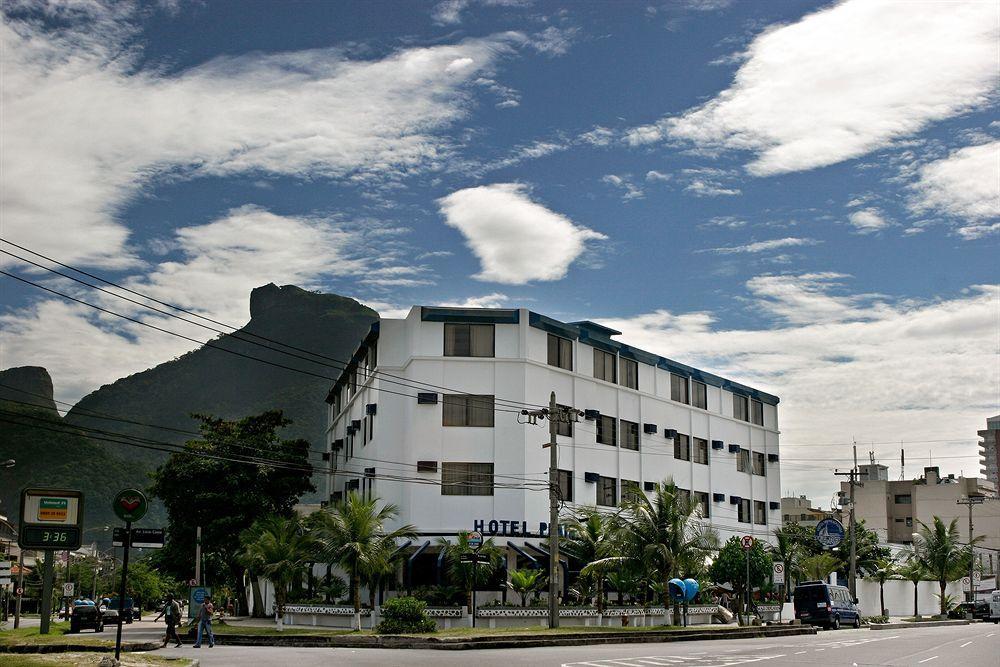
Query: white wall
point(899, 597)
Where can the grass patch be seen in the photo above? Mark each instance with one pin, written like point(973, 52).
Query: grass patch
point(922, 619)
point(58, 634)
point(91, 660)
point(260, 630)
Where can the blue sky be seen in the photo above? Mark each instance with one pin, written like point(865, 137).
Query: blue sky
point(799, 195)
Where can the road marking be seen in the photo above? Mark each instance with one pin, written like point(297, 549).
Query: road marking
point(965, 644)
point(933, 657)
point(991, 634)
point(800, 652)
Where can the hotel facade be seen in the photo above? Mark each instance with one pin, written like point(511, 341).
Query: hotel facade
point(427, 416)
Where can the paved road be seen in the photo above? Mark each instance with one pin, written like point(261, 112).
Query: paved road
point(976, 645)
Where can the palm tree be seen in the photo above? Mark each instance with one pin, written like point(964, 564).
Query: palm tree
point(819, 566)
point(787, 550)
point(939, 551)
point(591, 539)
point(352, 534)
point(885, 570)
point(914, 572)
point(663, 534)
point(278, 548)
point(524, 582)
point(467, 574)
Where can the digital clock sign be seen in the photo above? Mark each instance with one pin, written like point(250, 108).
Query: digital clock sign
point(51, 537)
point(51, 519)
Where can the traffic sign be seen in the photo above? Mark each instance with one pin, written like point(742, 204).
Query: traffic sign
point(130, 505)
point(51, 519)
point(747, 542)
point(142, 538)
point(19, 591)
point(778, 570)
point(829, 533)
point(475, 539)
point(69, 589)
point(192, 582)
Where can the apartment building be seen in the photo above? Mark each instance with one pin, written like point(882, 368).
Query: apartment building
point(799, 509)
point(989, 451)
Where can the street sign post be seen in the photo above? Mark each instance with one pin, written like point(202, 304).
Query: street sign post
point(475, 539)
point(130, 505)
point(51, 519)
point(747, 543)
point(69, 589)
point(475, 542)
point(830, 533)
point(778, 572)
point(142, 538)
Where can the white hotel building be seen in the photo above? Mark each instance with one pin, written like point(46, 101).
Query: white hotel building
point(454, 454)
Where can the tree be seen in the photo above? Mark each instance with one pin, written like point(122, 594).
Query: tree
point(731, 565)
point(869, 550)
point(467, 575)
point(941, 554)
point(353, 534)
point(524, 582)
point(819, 567)
point(913, 572)
point(590, 539)
point(788, 551)
point(278, 548)
point(223, 484)
point(663, 534)
point(885, 570)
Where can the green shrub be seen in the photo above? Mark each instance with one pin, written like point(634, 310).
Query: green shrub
point(876, 619)
point(401, 615)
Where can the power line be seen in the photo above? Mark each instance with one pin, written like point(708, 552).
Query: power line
point(235, 332)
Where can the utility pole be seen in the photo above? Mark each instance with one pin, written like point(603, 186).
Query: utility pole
point(197, 556)
point(853, 571)
point(970, 501)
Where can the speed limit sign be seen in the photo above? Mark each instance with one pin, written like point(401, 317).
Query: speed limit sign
point(747, 541)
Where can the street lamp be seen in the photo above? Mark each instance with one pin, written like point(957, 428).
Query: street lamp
point(9, 463)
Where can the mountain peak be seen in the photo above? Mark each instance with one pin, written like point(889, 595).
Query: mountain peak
point(269, 302)
point(28, 384)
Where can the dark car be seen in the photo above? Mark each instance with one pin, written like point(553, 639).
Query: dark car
point(86, 617)
point(129, 613)
point(819, 603)
point(980, 610)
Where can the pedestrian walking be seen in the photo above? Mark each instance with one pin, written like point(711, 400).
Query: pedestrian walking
point(172, 615)
point(205, 623)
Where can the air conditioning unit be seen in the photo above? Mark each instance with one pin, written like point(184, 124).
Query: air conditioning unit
point(734, 449)
point(338, 444)
point(427, 398)
point(734, 500)
point(718, 497)
point(591, 477)
point(649, 428)
point(326, 456)
point(350, 430)
point(774, 504)
point(718, 444)
point(369, 472)
point(772, 458)
point(649, 486)
point(356, 425)
point(427, 466)
point(591, 414)
point(370, 409)
point(354, 484)
point(670, 433)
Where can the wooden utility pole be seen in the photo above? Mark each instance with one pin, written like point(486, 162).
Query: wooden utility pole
point(554, 416)
point(970, 501)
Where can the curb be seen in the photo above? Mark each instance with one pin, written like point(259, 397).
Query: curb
point(515, 641)
point(916, 624)
point(77, 648)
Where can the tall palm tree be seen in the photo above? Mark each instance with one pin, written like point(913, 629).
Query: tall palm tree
point(591, 539)
point(525, 582)
point(664, 534)
point(787, 550)
point(913, 572)
point(353, 534)
point(939, 551)
point(467, 574)
point(818, 567)
point(885, 569)
point(280, 549)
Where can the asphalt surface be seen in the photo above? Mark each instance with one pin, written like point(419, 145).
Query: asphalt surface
point(976, 645)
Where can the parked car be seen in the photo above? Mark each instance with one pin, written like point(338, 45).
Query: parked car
point(128, 614)
point(819, 603)
point(980, 610)
point(995, 607)
point(86, 617)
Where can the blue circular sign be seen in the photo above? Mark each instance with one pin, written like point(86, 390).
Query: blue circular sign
point(830, 533)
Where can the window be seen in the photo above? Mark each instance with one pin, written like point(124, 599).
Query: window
point(604, 366)
point(565, 485)
point(606, 431)
point(630, 437)
point(466, 479)
point(760, 512)
point(564, 427)
point(353, 381)
point(757, 412)
point(699, 395)
point(560, 352)
point(630, 374)
point(740, 408)
point(468, 340)
point(744, 511)
point(631, 491)
point(701, 497)
point(364, 431)
point(371, 427)
point(373, 356)
point(682, 447)
point(700, 451)
point(903, 499)
point(787, 518)
point(758, 463)
point(467, 410)
point(684, 495)
point(909, 522)
point(607, 492)
point(899, 521)
point(743, 461)
point(337, 402)
point(678, 388)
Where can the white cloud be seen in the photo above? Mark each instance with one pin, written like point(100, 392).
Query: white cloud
point(705, 188)
point(653, 175)
point(868, 368)
point(629, 189)
point(506, 230)
point(554, 41)
point(844, 81)
point(763, 246)
point(86, 129)
point(217, 266)
point(599, 136)
point(868, 220)
point(493, 300)
point(449, 12)
point(966, 185)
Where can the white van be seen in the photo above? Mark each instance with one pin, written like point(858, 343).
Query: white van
point(995, 607)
